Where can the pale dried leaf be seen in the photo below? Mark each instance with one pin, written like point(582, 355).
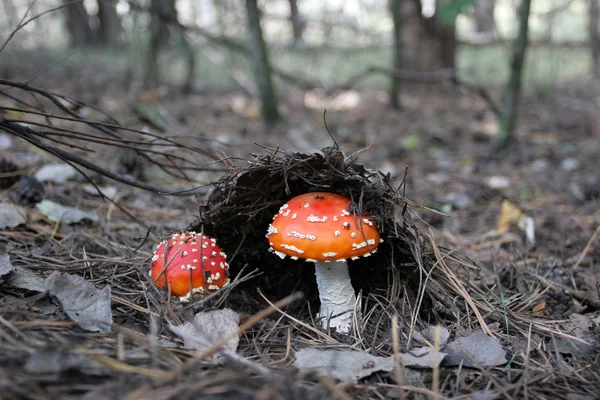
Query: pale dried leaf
point(81, 301)
point(475, 350)
point(11, 215)
point(5, 264)
point(66, 215)
point(23, 278)
point(55, 173)
point(208, 328)
point(346, 366)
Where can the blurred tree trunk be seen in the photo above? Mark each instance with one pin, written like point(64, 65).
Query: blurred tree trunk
point(188, 85)
point(11, 12)
point(484, 15)
point(261, 65)
point(429, 44)
point(297, 22)
point(110, 24)
point(162, 11)
point(78, 24)
point(512, 92)
point(595, 36)
point(397, 63)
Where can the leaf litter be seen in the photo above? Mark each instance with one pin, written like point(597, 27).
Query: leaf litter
point(425, 283)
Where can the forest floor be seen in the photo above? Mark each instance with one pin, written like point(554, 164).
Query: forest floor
point(528, 217)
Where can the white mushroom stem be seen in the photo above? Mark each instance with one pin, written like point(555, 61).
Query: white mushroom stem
point(336, 294)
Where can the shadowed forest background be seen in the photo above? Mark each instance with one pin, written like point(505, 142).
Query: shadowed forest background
point(122, 122)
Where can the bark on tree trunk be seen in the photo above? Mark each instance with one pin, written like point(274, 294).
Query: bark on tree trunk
point(110, 24)
point(297, 22)
point(484, 15)
point(78, 24)
point(261, 65)
point(397, 62)
point(595, 36)
point(162, 10)
point(11, 12)
point(513, 86)
point(428, 44)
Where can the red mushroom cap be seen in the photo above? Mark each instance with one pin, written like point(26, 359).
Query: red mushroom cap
point(319, 227)
point(189, 256)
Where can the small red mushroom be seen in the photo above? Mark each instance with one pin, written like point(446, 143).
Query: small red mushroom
point(194, 265)
point(320, 227)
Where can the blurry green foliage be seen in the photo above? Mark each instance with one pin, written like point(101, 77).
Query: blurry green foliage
point(448, 10)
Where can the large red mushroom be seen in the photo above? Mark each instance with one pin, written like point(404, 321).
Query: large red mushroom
point(188, 264)
point(322, 227)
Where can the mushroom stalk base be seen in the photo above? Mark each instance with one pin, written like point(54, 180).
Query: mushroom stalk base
point(336, 294)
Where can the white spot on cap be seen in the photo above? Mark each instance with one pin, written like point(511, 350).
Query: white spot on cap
point(294, 215)
point(185, 253)
point(330, 254)
point(337, 233)
point(314, 218)
point(194, 250)
point(306, 205)
point(155, 257)
point(353, 234)
point(366, 221)
point(286, 213)
point(280, 254)
point(271, 230)
point(335, 218)
point(292, 248)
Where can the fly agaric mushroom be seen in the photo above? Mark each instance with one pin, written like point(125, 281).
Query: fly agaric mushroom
point(319, 227)
point(189, 264)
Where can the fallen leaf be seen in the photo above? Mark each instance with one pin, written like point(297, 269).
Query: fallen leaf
point(81, 301)
point(52, 361)
point(108, 191)
point(11, 215)
point(22, 278)
point(66, 215)
point(5, 264)
point(208, 328)
point(498, 182)
point(346, 366)
point(511, 216)
point(55, 173)
point(539, 309)
point(427, 336)
point(423, 357)
point(475, 350)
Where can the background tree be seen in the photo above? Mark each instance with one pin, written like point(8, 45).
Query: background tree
point(261, 65)
point(397, 58)
point(513, 87)
point(163, 12)
point(10, 11)
point(297, 22)
point(110, 24)
point(594, 19)
point(78, 24)
point(429, 43)
point(484, 15)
